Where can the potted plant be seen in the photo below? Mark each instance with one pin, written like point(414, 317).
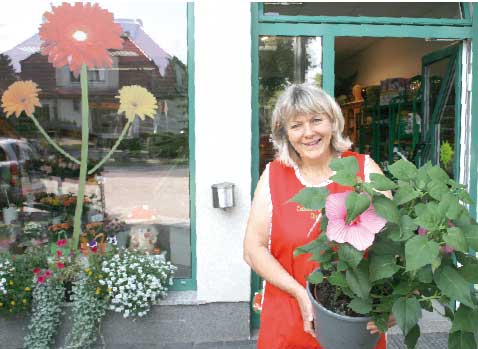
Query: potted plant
point(381, 256)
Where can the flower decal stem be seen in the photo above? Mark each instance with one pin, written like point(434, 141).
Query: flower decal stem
point(51, 141)
point(84, 156)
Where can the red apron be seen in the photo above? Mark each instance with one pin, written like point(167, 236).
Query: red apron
point(281, 321)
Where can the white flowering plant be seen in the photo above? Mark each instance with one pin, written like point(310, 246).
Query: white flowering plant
point(134, 281)
point(6, 271)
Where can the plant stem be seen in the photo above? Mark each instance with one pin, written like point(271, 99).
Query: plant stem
point(123, 133)
point(84, 157)
point(52, 142)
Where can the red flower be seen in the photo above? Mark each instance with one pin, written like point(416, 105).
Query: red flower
point(61, 243)
point(94, 249)
point(36, 271)
point(60, 265)
point(41, 279)
point(59, 253)
point(48, 273)
point(79, 34)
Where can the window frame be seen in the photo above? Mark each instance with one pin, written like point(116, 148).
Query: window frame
point(465, 8)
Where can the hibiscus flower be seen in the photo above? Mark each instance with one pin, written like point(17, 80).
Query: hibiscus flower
point(360, 233)
point(136, 100)
point(79, 34)
point(21, 96)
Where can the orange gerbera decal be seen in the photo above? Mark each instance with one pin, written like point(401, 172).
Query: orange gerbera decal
point(79, 34)
point(21, 96)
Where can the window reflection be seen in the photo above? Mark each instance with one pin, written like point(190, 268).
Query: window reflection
point(141, 194)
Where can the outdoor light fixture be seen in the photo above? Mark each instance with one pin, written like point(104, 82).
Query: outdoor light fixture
point(223, 195)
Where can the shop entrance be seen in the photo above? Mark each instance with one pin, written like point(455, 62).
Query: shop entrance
point(398, 98)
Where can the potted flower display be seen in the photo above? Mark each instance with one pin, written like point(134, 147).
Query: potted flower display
point(380, 257)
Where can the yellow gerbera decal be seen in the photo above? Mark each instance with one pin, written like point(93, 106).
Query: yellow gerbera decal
point(21, 96)
point(136, 100)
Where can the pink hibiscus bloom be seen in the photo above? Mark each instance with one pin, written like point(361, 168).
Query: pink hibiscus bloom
point(361, 232)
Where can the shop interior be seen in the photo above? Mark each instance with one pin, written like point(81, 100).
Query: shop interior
point(378, 84)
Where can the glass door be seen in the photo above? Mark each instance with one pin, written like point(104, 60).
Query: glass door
point(441, 112)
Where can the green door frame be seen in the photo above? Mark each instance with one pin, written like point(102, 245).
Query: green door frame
point(331, 27)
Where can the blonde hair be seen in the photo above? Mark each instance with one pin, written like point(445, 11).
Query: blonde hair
point(305, 99)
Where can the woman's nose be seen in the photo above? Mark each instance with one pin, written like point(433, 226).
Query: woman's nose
point(308, 129)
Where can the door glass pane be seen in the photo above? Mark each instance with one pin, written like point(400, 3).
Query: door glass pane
point(446, 135)
point(435, 73)
point(283, 60)
point(142, 193)
point(375, 9)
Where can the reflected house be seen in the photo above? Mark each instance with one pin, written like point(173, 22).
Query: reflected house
point(141, 61)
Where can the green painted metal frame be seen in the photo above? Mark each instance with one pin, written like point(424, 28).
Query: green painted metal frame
point(452, 54)
point(367, 20)
point(368, 27)
point(474, 116)
point(190, 283)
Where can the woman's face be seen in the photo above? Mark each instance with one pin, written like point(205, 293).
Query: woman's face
point(310, 135)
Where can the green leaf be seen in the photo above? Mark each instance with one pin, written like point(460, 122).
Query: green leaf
point(316, 277)
point(350, 255)
point(344, 178)
point(411, 338)
point(420, 208)
point(430, 218)
point(361, 306)
point(453, 285)
point(461, 340)
point(405, 230)
point(437, 189)
point(386, 208)
point(342, 266)
point(324, 222)
point(469, 270)
point(367, 187)
point(316, 245)
point(382, 244)
point(466, 320)
point(407, 312)
point(404, 194)
point(436, 263)
point(422, 178)
point(382, 266)
point(338, 279)
point(323, 257)
point(346, 164)
point(403, 169)
point(381, 182)
point(471, 235)
point(311, 198)
point(450, 206)
point(438, 174)
point(358, 281)
point(419, 252)
point(425, 274)
point(455, 238)
point(356, 204)
point(381, 320)
point(403, 288)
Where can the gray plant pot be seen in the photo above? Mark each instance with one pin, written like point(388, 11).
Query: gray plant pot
point(335, 331)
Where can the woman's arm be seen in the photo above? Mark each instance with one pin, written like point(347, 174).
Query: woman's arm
point(256, 253)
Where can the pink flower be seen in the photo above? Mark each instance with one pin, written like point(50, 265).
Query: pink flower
point(447, 249)
point(61, 243)
point(59, 253)
point(41, 279)
point(361, 232)
point(36, 271)
point(60, 265)
point(422, 231)
point(48, 273)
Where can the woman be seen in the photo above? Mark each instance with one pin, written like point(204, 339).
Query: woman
point(307, 127)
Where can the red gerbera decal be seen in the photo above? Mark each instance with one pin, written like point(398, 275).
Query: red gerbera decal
point(79, 34)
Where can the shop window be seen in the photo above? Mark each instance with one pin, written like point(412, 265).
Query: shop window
point(366, 9)
point(141, 194)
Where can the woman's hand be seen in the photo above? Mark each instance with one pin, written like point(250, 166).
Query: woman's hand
point(305, 306)
point(374, 329)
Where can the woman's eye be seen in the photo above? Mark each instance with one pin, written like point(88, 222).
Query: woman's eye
point(317, 120)
point(294, 127)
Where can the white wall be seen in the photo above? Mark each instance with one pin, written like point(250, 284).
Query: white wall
point(223, 146)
